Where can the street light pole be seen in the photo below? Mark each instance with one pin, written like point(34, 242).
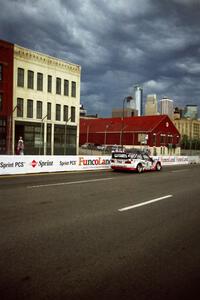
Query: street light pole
point(65, 135)
point(41, 133)
point(122, 130)
point(10, 131)
point(105, 134)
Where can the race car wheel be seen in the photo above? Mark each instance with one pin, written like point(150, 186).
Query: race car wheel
point(158, 166)
point(139, 168)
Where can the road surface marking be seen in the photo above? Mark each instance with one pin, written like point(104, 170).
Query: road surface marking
point(182, 170)
point(53, 173)
point(68, 183)
point(144, 203)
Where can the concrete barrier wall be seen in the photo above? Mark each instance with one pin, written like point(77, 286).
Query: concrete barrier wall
point(194, 159)
point(37, 164)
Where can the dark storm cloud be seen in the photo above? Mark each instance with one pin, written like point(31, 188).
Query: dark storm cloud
point(117, 43)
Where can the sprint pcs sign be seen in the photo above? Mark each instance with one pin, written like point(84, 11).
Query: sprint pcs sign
point(38, 164)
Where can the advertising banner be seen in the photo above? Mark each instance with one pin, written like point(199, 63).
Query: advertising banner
point(172, 160)
point(37, 164)
point(24, 164)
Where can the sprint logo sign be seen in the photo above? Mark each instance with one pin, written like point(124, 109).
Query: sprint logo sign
point(41, 163)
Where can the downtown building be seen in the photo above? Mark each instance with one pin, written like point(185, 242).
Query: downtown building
point(191, 111)
point(188, 127)
point(39, 100)
point(138, 96)
point(126, 112)
point(151, 105)
point(135, 103)
point(167, 107)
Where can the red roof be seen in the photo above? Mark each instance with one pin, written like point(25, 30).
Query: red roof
point(133, 124)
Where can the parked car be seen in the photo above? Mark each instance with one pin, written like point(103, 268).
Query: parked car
point(117, 148)
point(88, 146)
point(109, 148)
point(101, 147)
point(138, 162)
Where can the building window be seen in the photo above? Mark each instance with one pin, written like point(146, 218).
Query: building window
point(65, 113)
point(169, 139)
point(20, 77)
point(39, 109)
point(1, 72)
point(73, 89)
point(73, 114)
point(30, 79)
point(58, 111)
point(58, 86)
point(1, 102)
point(162, 139)
point(29, 108)
point(20, 107)
point(66, 87)
point(49, 84)
point(48, 111)
point(39, 81)
point(154, 139)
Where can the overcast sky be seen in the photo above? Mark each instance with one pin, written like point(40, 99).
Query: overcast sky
point(118, 43)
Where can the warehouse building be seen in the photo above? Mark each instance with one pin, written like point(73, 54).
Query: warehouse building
point(158, 134)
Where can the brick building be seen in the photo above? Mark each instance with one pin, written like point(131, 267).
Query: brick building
point(157, 133)
point(39, 100)
point(6, 95)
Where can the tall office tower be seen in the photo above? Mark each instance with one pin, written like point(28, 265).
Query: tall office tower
point(151, 106)
point(167, 107)
point(138, 94)
point(191, 111)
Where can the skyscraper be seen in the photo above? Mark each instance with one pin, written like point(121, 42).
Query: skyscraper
point(167, 107)
point(151, 106)
point(138, 95)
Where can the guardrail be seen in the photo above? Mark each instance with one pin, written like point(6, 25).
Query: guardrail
point(25, 164)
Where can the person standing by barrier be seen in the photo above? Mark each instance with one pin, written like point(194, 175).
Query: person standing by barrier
point(20, 146)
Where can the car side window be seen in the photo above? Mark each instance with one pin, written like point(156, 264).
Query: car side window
point(146, 157)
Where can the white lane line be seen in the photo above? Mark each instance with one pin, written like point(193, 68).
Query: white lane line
point(68, 183)
point(144, 203)
point(182, 170)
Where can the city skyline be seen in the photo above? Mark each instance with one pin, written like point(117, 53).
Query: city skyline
point(148, 106)
point(118, 44)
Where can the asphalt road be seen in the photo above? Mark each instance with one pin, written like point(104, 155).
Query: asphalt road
point(83, 235)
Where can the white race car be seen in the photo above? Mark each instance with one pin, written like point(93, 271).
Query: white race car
point(139, 162)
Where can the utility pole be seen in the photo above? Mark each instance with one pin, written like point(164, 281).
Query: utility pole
point(65, 132)
point(41, 135)
point(122, 130)
point(10, 122)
